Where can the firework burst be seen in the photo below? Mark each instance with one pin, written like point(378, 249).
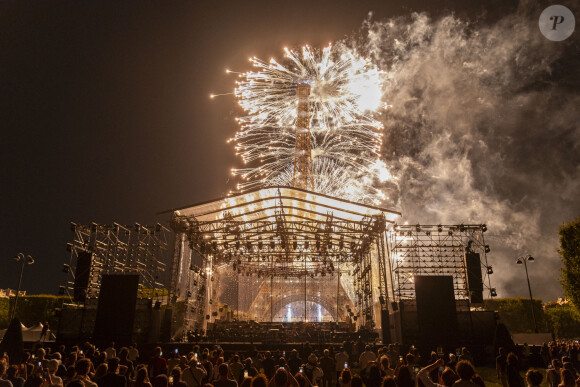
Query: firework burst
point(345, 92)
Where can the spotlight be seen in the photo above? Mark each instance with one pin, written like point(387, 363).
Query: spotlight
point(66, 268)
point(449, 232)
point(272, 244)
point(294, 244)
point(487, 250)
point(418, 228)
point(61, 290)
point(489, 270)
point(439, 228)
point(158, 227)
point(493, 292)
point(462, 228)
point(483, 228)
point(69, 247)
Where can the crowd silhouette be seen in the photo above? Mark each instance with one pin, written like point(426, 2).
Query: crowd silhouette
point(352, 364)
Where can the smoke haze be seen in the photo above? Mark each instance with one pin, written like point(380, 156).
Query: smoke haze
point(483, 128)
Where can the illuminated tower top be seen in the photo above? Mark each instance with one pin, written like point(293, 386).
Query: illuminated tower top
point(302, 175)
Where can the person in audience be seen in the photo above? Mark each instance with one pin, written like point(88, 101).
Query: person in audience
point(259, 380)
point(3, 368)
point(157, 364)
point(70, 375)
point(112, 378)
point(142, 379)
point(466, 355)
point(280, 379)
point(513, 371)
point(312, 371)
point(133, 353)
point(567, 378)
point(246, 382)
point(225, 379)
point(294, 362)
point(385, 366)
point(424, 374)
point(101, 371)
point(249, 368)
point(389, 381)
point(236, 368)
point(448, 377)
point(404, 377)
point(341, 362)
point(452, 363)
point(124, 361)
point(467, 376)
point(366, 356)
point(215, 370)
point(177, 381)
point(51, 379)
point(345, 378)
point(12, 376)
point(371, 375)
point(174, 361)
point(302, 380)
point(356, 381)
point(553, 374)
point(83, 367)
point(534, 378)
point(194, 374)
point(501, 367)
point(111, 351)
point(269, 365)
point(328, 369)
point(160, 380)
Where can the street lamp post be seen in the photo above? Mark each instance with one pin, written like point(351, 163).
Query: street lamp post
point(529, 258)
point(25, 260)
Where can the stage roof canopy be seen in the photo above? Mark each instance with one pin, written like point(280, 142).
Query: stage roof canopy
point(283, 222)
point(296, 203)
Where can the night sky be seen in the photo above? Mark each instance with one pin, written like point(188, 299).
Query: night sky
point(105, 117)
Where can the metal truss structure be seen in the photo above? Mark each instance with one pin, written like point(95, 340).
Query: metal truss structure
point(114, 248)
point(436, 250)
point(302, 174)
point(283, 233)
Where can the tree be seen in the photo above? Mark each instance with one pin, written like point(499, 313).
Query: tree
point(570, 254)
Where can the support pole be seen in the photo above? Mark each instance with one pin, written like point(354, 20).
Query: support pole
point(18, 291)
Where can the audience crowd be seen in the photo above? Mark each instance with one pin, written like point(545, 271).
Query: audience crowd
point(350, 365)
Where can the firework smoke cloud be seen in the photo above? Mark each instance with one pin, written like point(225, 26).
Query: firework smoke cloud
point(483, 129)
